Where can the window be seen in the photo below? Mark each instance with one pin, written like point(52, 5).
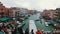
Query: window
point(1, 9)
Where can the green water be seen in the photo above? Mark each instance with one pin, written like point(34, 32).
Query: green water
point(37, 23)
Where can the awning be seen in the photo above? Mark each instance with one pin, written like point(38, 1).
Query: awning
point(4, 19)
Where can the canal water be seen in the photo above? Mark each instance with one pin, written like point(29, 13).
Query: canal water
point(37, 23)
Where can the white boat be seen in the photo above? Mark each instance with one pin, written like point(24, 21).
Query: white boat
point(32, 26)
point(46, 23)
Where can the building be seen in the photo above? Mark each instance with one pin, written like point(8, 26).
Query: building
point(58, 13)
point(3, 10)
point(32, 11)
point(23, 11)
point(49, 14)
point(14, 11)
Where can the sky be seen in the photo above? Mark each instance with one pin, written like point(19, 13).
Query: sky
point(32, 4)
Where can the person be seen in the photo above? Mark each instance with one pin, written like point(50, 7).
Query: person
point(38, 32)
point(32, 31)
point(14, 31)
point(54, 31)
point(27, 31)
point(20, 30)
point(5, 29)
point(9, 30)
point(1, 32)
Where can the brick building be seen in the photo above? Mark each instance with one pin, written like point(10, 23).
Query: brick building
point(3, 10)
point(14, 11)
point(49, 13)
point(58, 12)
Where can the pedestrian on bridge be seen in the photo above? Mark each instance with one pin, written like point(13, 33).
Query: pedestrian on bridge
point(32, 31)
point(20, 30)
point(38, 32)
point(27, 31)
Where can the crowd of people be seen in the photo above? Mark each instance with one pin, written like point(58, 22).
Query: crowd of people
point(7, 27)
point(41, 32)
point(10, 27)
